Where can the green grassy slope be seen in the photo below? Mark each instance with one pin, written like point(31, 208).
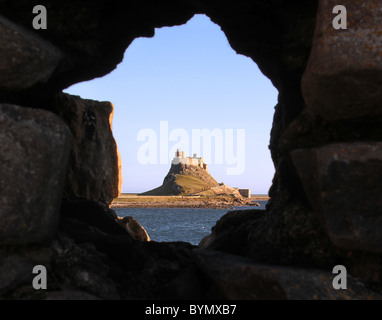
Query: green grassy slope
point(187, 185)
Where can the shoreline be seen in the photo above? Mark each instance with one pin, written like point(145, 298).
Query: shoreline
point(218, 202)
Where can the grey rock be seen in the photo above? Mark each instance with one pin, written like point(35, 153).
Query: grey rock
point(95, 169)
point(239, 278)
point(134, 228)
point(84, 272)
point(15, 270)
point(70, 295)
point(343, 185)
point(343, 78)
point(25, 59)
point(292, 237)
point(35, 147)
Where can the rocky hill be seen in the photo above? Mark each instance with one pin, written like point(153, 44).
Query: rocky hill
point(183, 179)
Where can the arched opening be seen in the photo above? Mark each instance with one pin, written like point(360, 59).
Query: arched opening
point(188, 79)
point(326, 147)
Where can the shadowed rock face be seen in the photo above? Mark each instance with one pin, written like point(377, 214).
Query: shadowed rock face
point(241, 278)
point(95, 171)
point(35, 147)
point(329, 85)
point(134, 228)
point(331, 176)
point(343, 78)
point(26, 58)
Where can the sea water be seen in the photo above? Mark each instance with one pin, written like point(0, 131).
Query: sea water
point(177, 224)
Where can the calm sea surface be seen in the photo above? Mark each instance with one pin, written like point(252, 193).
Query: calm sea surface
point(175, 224)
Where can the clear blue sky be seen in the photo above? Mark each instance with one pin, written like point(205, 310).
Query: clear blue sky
point(170, 88)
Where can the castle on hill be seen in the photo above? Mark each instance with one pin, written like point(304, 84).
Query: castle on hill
point(180, 158)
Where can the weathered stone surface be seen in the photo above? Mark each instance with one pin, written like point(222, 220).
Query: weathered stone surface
point(141, 269)
point(343, 78)
point(95, 170)
point(309, 131)
point(83, 272)
point(35, 147)
point(239, 278)
point(134, 228)
point(15, 270)
point(343, 184)
point(291, 237)
point(93, 214)
point(25, 59)
point(74, 271)
point(70, 295)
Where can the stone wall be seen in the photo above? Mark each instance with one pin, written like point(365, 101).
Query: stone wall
point(59, 162)
point(246, 193)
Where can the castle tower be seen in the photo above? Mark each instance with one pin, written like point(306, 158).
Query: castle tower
point(180, 158)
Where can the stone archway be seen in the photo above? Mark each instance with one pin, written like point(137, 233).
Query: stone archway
point(309, 222)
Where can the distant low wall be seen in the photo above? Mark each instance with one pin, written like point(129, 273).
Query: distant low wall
point(246, 193)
